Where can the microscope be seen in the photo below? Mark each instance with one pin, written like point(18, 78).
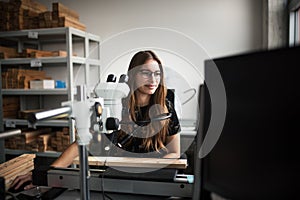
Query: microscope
point(97, 113)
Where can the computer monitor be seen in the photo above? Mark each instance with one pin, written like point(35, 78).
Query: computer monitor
point(257, 155)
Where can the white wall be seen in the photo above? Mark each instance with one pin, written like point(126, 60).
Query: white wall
point(222, 26)
point(185, 34)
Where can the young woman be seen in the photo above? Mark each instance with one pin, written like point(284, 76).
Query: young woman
point(146, 101)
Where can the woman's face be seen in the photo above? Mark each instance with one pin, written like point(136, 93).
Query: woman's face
point(148, 77)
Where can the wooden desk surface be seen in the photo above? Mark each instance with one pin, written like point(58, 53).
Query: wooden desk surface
point(135, 162)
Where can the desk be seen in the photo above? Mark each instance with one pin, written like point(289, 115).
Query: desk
point(179, 185)
point(75, 194)
point(70, 179)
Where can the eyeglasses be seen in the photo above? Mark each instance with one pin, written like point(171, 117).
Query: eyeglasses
point(148, 74)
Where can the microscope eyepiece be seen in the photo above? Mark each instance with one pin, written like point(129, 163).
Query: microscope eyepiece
point(111, 78)
point(123, 78)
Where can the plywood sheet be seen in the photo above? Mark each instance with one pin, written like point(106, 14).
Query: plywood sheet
point(136, 162)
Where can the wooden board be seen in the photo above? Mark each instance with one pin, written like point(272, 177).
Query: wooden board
point(6, 52)
point(34, 53)
point(32, 134)
point(44, 141)
point(18, 159)
point(15, 167)
point(60, 53)
point(135, 162)
point(23, 114)
point(69, 22)
point(10, 106)
point(60, 10)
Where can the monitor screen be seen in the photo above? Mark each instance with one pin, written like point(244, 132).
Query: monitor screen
point(257, 153)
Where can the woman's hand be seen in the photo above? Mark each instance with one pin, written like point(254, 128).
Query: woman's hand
point(22, 179)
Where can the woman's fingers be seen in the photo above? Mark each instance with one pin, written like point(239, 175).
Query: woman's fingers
point(20, 180)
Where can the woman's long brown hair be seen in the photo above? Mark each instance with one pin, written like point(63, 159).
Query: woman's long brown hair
point(152, 141)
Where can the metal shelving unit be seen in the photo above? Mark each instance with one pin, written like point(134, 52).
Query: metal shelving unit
point(71, 40)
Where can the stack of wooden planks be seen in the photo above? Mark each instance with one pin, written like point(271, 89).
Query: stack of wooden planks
point(11, 106)
point(34, 53)
point(40, 140)
point(60, 141)
point(29, 14)
point(65, 17)
point(22, 14)
point(20, 78)
point(15, 167)
point(27, 140)
point(8, 52)
point(4, 16)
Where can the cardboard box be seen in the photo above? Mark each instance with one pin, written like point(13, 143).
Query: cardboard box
point(42, 84)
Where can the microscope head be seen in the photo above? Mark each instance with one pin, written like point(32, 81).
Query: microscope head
point(111, 89)
point(112, 93)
